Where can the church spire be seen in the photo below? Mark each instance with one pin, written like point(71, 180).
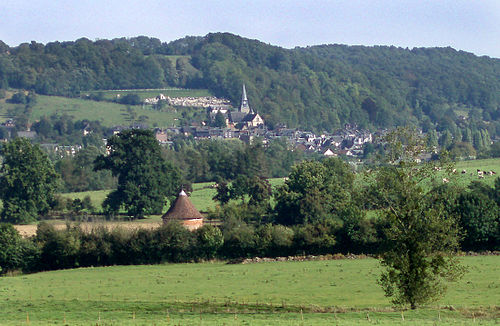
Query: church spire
point(244, 101)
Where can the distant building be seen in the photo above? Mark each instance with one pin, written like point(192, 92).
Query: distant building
point(245, 117)
point(161, 136)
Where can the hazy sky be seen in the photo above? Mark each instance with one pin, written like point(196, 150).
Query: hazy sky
point(472, 25)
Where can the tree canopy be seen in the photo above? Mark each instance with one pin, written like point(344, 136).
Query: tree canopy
point(314, 191)
point(27, 181)
point(145, 179)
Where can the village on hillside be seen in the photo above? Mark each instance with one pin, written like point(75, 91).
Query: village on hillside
point(224, 122)
point(246, 124)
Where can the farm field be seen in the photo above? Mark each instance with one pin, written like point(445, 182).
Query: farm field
point(491, 164)
point(109, 114)
point(148, 93)
point(342, 292)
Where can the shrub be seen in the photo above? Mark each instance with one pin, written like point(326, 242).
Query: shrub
point(274, 240)
point(316, 238)
point(239, 239)
point(209, 240)
point(11, 248)
point(174, 242)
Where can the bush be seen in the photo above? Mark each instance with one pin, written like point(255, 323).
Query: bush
point(174, 243)
point(274, 240)
point(316, 238)
point(61, 249)
point(479, 219)
point(239, 239)
point(11, 248)
point(19, 98)
point(209, 240)
point(130, 99)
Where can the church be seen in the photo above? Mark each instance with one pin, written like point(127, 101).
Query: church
point(243, 118)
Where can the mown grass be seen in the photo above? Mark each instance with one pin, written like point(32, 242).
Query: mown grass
point(287, 293)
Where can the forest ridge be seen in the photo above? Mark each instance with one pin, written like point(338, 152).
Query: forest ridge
point(318, 88)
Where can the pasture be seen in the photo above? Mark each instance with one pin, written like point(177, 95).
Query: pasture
point(107, 113)
point(342, 292)
point(149, 93)
point(471, 167)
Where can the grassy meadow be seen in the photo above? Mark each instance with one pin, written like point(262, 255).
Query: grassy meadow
point(340, 292)
point(491, 164)
point(109, 114)
point(148, 93)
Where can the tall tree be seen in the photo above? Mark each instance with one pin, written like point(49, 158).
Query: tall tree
point(27, 181)
point(144, 177)
point(422, 237)
point(314, 191)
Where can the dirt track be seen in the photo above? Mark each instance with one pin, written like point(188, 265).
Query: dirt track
point(30, 230)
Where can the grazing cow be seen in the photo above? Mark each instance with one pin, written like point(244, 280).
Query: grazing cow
point(480, 173)
point(445, 180)
point(454, 171)
point(481, 176)
point(464, 171)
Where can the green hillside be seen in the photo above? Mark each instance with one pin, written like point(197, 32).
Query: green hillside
point(109, 114)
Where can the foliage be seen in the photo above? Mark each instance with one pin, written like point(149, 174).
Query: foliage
point(11, 249)
point(479, 217)
point(144, 177)
point(27, 181)
point(421, 237)
point(316, 238)
point(314, 191)
point(209, 240)
point(220, 121)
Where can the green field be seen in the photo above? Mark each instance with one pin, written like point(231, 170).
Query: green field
point(148, 93)
point(108, 113)
point(287, 293)
point(491, 164)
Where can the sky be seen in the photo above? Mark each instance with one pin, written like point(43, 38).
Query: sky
point(468, 25)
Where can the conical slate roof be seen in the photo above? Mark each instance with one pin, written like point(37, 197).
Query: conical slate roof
point(182, 209)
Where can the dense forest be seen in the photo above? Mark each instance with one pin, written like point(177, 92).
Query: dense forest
point(317, 88)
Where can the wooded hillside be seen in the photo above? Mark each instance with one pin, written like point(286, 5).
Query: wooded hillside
point(318, 88)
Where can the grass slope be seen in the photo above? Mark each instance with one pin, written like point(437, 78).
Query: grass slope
point(109, 114)
point(256, 294)
point(148, 93)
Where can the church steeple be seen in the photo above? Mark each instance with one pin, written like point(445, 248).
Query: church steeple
point(244, 102)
